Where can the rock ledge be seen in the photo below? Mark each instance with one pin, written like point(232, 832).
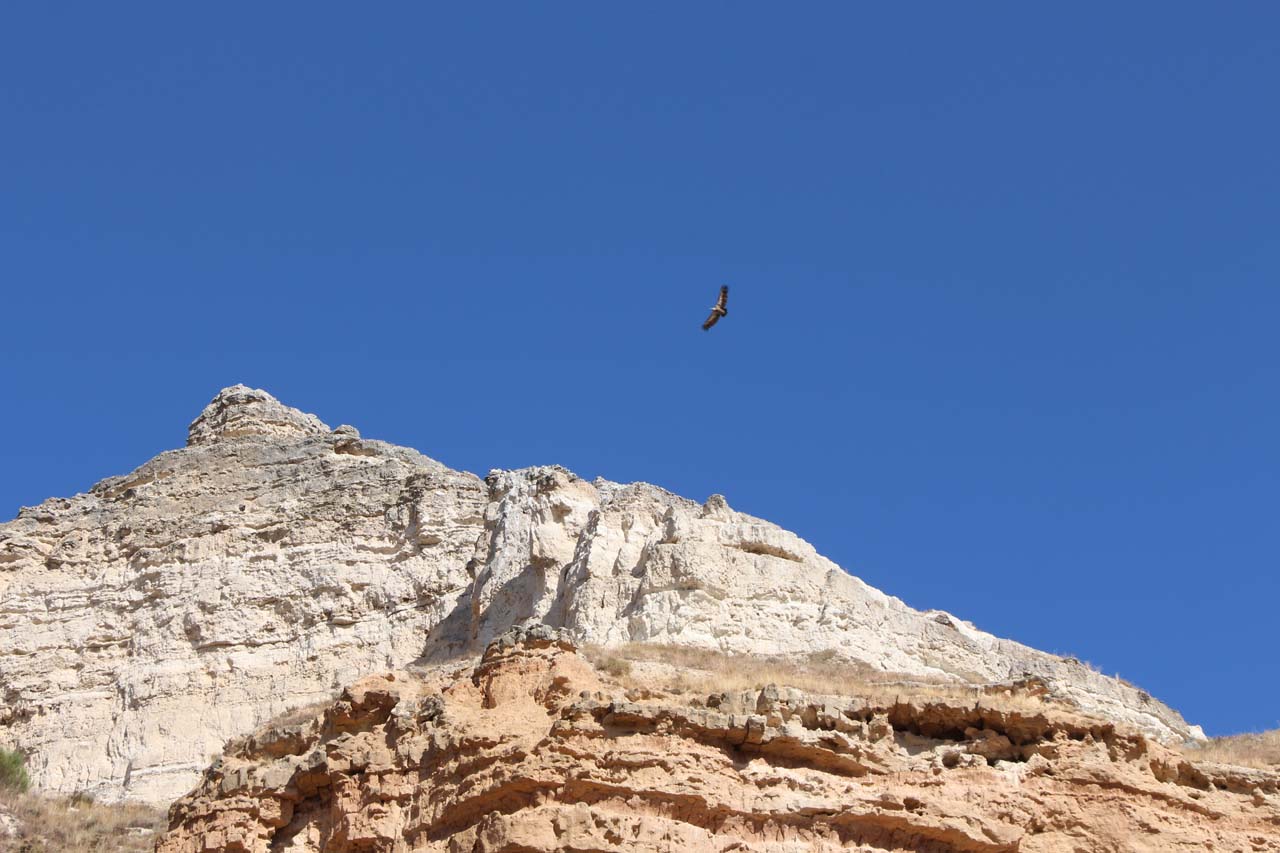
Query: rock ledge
point(532, 750)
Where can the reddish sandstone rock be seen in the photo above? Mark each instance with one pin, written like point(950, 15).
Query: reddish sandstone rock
point(529, 750)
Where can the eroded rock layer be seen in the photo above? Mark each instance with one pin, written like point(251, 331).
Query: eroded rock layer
point(272, 561)
point(530, 751)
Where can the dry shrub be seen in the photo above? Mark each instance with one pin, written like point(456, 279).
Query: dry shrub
point(294, 716)
point(1260, 750)
point(688, 670)
point(615, 666)
point(49, 824)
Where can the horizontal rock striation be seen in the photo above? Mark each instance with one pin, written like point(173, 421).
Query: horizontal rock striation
point(529, 750)
point(272, 561)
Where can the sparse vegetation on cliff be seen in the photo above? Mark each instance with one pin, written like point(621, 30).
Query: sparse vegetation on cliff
point(13, 771)
point(1253, 749)
point(46, 824)
point(685, 669)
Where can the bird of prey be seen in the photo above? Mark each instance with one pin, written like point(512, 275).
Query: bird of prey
point(718, 310)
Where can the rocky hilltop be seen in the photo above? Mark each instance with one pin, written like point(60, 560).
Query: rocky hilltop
point(530, 750)
point(273, 561)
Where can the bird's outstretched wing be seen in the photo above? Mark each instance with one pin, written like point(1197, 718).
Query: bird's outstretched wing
point(718, 310)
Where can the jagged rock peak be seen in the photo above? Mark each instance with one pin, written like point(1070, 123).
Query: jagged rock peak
point(240, 411)
point(717, 508)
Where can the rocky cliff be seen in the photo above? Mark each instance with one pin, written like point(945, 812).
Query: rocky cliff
point(273, 561)
point(529, 750)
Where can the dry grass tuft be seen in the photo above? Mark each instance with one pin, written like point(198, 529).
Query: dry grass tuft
point(684, 670)
point(1260, 750)
point(302, 714)
point(615, 666)
point(48, 824)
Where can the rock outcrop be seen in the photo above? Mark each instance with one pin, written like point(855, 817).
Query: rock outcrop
point(529, 750)
point(264, 566)
point(272, 561)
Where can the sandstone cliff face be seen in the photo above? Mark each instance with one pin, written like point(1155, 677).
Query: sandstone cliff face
point(273, 560)
point(530, 751)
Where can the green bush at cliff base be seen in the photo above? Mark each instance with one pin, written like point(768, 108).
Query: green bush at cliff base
point(13, 771)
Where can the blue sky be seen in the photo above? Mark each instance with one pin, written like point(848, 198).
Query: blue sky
point(1005, 279)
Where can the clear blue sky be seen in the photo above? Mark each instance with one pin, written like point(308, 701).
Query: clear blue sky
point(1006, 279)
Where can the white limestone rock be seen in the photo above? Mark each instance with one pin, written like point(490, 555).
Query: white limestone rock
point(240, 411)
point(272, 561)
point(260, 568)
point(648, 566)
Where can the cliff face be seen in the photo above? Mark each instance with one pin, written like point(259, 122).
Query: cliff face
point(264, 566)
point(272, 561)
point(529, 750)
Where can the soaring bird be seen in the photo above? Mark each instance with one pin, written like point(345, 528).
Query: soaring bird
point(718, 310)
